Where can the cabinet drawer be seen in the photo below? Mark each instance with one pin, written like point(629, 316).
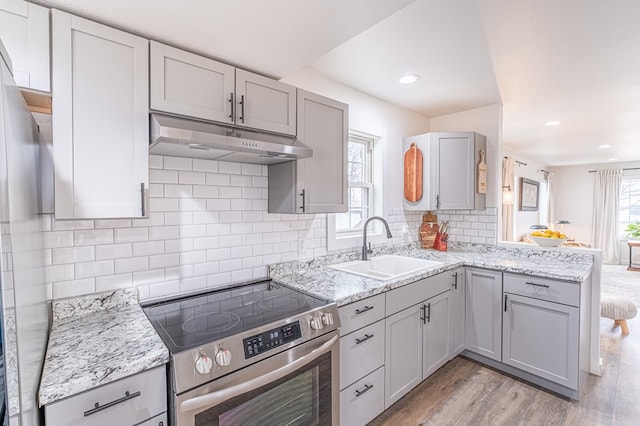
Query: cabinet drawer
point(410, 294)
point(363, 401)
point(361, 352)
point(358, 314)
point(147, 398)
point(542, 288)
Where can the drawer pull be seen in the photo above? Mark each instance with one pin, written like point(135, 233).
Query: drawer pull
point(537, 285)
point(363, 310)
point(364, 339)
point(127, 396)
point(366, 388)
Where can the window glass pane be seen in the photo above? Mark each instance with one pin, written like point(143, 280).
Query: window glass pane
point(629, 203)
point(357, 197)
point(356, 172)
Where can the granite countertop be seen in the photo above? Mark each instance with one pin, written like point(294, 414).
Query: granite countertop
point(314, 277)
point(95, 340)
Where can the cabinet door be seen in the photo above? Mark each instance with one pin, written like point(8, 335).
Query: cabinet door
point(457, 321)
point(263, 103)
point(541, 338)
point(24, 30)
point(403, 360)
point(100, 119)
point(456, 170)
point(187, 84)
point(317, 184)
point(484, 312)
point(435, 342)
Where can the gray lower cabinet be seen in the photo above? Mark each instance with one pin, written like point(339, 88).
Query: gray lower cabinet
point(484, 313)
point(457, 310)
point(541, 336)
point(138, 399)
point(436, 333)
point(362, 359)
point(403, 360)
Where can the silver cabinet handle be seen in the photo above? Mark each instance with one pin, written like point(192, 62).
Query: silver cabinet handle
point(363, 310)
point(537, 285)
point(302, 194)
point(143, 199)
point(505, 303)
point(455, 281)
point(428, 312)
point(127, 396)
point(242, 108)
point(364, 339)
point(423, 314)
point(232, 106)
point(366, 388)
point(437, 202)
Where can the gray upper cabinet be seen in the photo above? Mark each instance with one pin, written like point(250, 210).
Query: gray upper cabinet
point(449, 171)
point(187, 84)
point(191, 85)
point(317, 184)
point(100, 119)
point(24, 30)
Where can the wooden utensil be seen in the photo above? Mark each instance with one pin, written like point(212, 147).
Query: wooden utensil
point(413, 173)
point(482, 175)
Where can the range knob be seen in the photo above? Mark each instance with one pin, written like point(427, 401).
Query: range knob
point(223, 357)
point(203, 363)
point(316, 323)
point(327, 318)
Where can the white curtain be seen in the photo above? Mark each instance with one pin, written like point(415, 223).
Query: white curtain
point(508, 165)
point(550, 203)
point(606, 206)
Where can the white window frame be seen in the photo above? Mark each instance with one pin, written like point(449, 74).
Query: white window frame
point(627, 175)
point(352, 239)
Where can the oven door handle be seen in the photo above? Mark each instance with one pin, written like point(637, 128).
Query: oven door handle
point(214, 398)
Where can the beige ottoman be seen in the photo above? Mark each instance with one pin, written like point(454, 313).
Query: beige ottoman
point(619, 310)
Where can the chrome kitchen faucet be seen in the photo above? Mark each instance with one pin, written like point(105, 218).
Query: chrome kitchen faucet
point(366, 251)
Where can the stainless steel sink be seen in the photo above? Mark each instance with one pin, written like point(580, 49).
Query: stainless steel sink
point(386, 267)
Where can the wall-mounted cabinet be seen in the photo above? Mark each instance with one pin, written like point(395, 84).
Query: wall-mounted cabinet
point(24, 30)
point(100, 119)
point(191, 85)
point(441, 171)
point(317, 184)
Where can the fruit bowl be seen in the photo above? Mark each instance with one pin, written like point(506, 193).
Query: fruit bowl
point(548, 242)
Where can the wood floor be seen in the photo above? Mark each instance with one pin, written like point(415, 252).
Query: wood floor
point(464, 392)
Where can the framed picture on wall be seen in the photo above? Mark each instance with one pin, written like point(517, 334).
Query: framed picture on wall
point(529, 194)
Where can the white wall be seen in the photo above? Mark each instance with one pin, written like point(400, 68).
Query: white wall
point(573, 198)
point(523, 219)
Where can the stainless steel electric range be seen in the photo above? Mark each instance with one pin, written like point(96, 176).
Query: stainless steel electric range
point(258, 353)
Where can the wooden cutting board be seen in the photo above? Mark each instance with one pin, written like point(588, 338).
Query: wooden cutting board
point(413, 173)
point(482, 175)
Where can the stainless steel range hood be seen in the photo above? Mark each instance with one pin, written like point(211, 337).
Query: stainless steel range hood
point(182, 137)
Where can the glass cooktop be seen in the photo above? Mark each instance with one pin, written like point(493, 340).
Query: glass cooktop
point(189, 322)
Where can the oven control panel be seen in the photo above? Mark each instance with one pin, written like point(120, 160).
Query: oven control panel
point(260, 343)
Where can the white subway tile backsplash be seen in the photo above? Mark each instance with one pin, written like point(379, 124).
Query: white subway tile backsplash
point(259, 181)
point(191, 178)
point(252, 193)
point(178, 163)
point(113, 282)
point(230, 265)
point(240, 180)
point(241, 275)
point(164, 260)
point(230, 192)
point(93, 237)
point(154, 219)
point(193, 257)
point(189, 285)
point(73, 254)
point(148, 277)
point(178, 245)
point(230, 240)
point(58, 239)
point(230, 168)
point(165, 288)
point(66, 225)
point(219, 204)
point(241, 204)
point(163, 176)
point(193, 231)
point(178, 191)
point(205, 217)
point(163, 232)
point(126, 235)
point(219, 229)
point(230, 217)
point(218, 179)
point(163, 204)
point(71, 288)
point(132, 264)
point(204, 269)
point(200, 165)
point(178, 272)
point(205, 243)
point(218, 254)
point(178, 218)
point(202, 191)
point(192, 205)
point(94, 269)
point(113, 251)
point(113, 223)
point(146, 248)
point(218, 280)
point(156, 161)
point(63, 272)
point(252, 169)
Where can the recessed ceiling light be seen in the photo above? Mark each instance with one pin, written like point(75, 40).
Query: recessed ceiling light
point(604, 146)
point(409, 78)
point(552, 123)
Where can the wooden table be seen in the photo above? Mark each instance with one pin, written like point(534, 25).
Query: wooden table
point(631, 245)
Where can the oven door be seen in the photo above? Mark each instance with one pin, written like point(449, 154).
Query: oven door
point(299, 386)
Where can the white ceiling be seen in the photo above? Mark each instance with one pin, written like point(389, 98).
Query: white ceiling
point(576, 61)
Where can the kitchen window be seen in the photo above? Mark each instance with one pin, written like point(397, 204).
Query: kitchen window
point(345, 229)
point(629, 201)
